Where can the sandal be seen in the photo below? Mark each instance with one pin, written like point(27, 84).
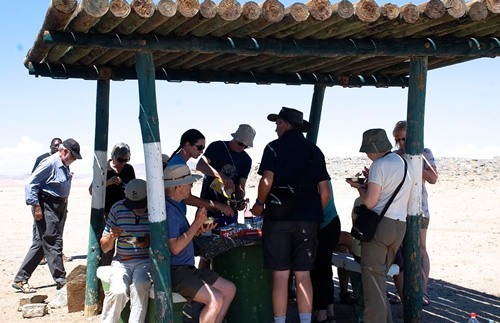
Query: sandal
point(346, 298)
point(24, 287)
point(425, 300)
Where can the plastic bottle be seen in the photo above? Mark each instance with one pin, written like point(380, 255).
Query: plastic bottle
point(473, 318)
point(248, 215)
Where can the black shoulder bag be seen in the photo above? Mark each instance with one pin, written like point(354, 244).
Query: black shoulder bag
point(282, 200)
point(366, 222)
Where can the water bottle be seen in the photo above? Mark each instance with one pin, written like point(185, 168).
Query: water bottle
point(473, 318)
point(248, 215)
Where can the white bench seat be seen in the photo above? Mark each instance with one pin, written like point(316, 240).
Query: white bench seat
point(346, 261)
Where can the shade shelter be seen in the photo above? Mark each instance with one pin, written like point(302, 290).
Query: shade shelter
point(315, 43)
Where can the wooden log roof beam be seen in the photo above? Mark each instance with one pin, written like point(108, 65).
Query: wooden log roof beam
point(477, 47)
point(94, 73)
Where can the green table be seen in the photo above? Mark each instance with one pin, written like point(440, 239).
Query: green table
point(243, 266)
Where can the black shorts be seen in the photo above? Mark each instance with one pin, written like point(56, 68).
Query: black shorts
point(289, 245)
point(187, 280)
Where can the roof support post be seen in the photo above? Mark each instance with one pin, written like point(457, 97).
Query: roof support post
point(315, 115)
point(414, 147)
point(98, 197)
point(159, 252)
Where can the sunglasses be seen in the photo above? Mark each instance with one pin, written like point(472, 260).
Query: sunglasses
point(400, 139)
point(242, 144)
point(122, 160)
point(199, 147)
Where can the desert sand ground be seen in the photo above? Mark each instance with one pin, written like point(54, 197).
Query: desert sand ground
point(463, 239)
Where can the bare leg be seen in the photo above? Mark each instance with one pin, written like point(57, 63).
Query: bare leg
point(399, 283)
point(213, 300)
point(426, 266)
point(345, 246)
point(304, 291)
point(228, 290)
point(280, 292)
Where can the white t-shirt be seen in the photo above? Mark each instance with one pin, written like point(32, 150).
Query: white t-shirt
point(388, 172)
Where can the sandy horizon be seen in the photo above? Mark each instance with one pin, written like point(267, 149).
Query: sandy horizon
point(463, 237)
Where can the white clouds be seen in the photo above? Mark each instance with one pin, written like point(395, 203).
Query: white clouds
point(20, 158)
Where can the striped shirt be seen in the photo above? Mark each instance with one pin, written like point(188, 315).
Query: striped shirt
point(132, 225)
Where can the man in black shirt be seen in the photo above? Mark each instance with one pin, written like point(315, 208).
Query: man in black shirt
point(289, 244)
point(54, 146)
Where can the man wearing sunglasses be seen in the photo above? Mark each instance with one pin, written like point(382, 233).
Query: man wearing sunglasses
point(47, 192)
point(230, 159)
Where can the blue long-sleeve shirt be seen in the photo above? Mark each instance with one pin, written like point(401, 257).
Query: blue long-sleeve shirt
point(51, 177)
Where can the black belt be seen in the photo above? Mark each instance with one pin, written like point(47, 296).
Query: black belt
point(52, 198)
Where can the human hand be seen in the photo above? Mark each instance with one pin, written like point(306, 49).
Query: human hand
point(115, 180)
point(200, 217)
point(257, 209)
point(145, 243)
point(366, 172)
point(37, 213)
point(224, 208)
point(116, 231)
point(354, 184)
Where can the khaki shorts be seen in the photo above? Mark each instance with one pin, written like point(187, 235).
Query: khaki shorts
point(187, 280)
point(425, 222)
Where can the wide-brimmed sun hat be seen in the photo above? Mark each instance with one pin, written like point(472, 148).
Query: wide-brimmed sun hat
point(375, 141)
point(174, 175)
point(245, 134)
point(136, 194)
point(292, 116)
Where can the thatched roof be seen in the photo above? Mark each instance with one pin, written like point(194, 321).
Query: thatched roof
point(316, 42)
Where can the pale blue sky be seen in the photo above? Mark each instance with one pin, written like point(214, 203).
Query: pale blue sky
point(461, 119)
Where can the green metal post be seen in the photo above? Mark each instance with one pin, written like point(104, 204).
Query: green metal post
point(414, 147)
point(315, 115)
point(159, 252)
point(98, 196)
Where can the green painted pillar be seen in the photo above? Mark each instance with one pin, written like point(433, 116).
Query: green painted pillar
point(98, 196)
point(414, 147)
point(159, 252)
point(315, 115)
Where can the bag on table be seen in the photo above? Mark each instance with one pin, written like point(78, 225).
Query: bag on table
point(366, 223)
point(280, 203)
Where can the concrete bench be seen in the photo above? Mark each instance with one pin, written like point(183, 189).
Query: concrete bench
point(104, 272)
point(346, 261)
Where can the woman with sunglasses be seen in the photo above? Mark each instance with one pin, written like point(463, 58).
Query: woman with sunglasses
point(191, 145)
point(119, 173)
point(429, 175)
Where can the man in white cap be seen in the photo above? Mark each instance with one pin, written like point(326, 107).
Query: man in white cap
point(47, 192)
point(200, 285)
point(230, 159)
point(128, 226)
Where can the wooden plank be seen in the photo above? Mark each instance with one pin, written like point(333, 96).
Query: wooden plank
point(165, 9)
point(57, 16)
point(340, 11)
point(227, 12)
point(272, 12)
point(118, 11)
point(251, 11)
point(295, 14)
point(87, 14)
point(141, 11)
